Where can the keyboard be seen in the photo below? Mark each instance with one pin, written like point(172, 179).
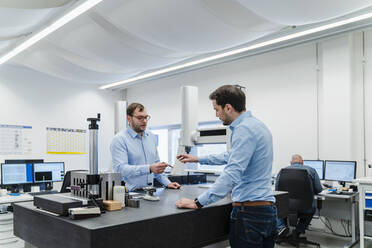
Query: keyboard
point(46, 192)
point(340, 193)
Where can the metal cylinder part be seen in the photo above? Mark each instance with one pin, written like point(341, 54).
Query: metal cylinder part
point(93, 151)
point(93, 191)
point(189, 125)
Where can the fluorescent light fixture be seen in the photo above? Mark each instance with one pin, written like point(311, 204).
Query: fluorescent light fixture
point(80, 9)
point(240, 50)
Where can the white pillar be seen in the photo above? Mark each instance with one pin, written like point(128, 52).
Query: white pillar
point(120, 116)
point(335, 99)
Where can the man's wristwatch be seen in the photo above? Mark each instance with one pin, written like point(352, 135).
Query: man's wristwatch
point(198, 203)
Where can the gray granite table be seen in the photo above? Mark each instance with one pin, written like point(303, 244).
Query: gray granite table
point(154, 224)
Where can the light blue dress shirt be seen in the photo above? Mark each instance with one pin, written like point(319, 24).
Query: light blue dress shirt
point(249, 162)
point(132, 157)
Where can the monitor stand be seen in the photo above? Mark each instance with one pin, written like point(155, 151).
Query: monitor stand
point(14, 189)
point(26, 187)
point(343, 183)
point(48, 186)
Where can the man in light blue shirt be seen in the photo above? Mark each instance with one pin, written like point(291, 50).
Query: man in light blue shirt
point(247, 173)
point(134, 153)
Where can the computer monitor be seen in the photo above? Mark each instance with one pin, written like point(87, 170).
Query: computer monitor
point(23, 161)
point(318, 165)
point(12, 174)
point(343, 171)
point(49, 172)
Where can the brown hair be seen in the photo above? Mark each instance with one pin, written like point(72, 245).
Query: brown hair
point(229, 94)
point(133, 106)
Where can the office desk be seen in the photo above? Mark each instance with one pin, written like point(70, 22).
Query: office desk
point(7, 238)
point(18, 198)
point(154, 224)
point(333, 201)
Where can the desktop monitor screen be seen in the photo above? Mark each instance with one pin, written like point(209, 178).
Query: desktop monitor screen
point(343, 171)
point(317, 165)
point(49, 172)
point(16, 174)
point(23, 161)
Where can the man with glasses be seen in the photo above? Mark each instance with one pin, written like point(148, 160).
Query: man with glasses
point(134, 152)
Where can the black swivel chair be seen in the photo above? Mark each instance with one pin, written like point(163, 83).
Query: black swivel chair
point(67, 181)
point(301, 197)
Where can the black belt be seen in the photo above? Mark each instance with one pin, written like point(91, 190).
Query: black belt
point(252, 203)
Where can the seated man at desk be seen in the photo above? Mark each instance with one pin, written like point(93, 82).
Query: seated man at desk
point(306, 216)
point(134, 153)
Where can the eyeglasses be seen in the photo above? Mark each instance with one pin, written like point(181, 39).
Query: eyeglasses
point(142, 118)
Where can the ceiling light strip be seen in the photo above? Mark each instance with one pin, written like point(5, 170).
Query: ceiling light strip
point(240, 50)
point(80, 9)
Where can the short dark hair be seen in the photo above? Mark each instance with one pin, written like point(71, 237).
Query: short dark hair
point(133, 106)
point(229, 94)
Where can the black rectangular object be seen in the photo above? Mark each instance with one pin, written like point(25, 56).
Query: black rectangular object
point(214, 132)
point(282, 204)
point(43, 176)
point(23, 161)
point(196, 179)
point(55, 203)
point(368, 215)
point(184, 179)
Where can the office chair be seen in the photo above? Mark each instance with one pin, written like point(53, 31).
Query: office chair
point(67, 181)
point(301, 197)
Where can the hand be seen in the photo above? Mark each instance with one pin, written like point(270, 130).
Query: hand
point(186, 203)
point(158, 168)
point(173, 185)
point(187, 158)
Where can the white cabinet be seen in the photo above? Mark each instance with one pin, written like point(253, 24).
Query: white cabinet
point(365, 204)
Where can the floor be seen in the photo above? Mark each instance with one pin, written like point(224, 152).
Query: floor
point(325, 241)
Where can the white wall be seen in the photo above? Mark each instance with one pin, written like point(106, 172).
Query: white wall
point(285, 89)
point(336, 99)
point(281, 91)
point(29, 98)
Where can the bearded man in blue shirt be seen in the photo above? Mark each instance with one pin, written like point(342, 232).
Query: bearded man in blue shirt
point(247, 174)
point(134, 153)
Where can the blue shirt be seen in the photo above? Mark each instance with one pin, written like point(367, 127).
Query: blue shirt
point(316, 186)
point(249, 162)
point(132, 157)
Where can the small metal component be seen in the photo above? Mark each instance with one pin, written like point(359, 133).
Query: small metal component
point(105, 181)
point(126, 199)
point(133, 203)
point(149, 190)
point(150, 194)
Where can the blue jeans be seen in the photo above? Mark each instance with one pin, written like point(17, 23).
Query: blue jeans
point(253, 227)
point(304, 219)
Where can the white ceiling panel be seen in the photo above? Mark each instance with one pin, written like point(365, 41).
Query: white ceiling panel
point(119, 39)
